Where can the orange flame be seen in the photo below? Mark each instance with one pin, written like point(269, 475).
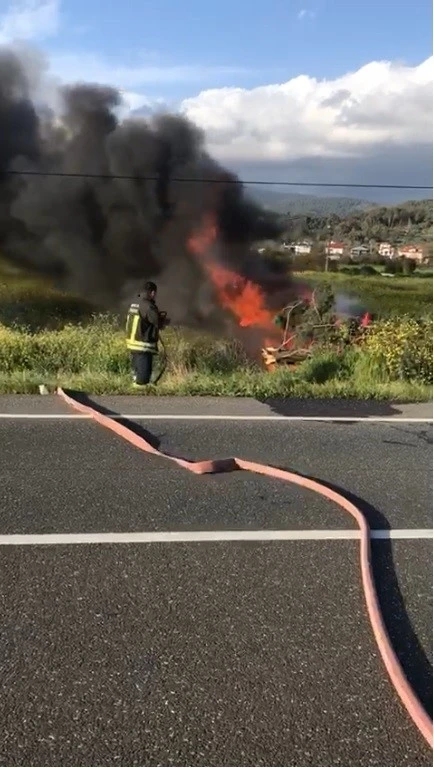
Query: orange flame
point(243, 298)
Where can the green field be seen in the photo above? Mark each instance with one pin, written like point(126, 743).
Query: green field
point(382, 296)
point(47, 337)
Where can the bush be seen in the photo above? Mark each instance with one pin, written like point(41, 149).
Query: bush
point(74, 348)
point(368, 269)
point(403, 347)
point(327, 365)
point(393, 267)
point(313, 261)
point(401, 267)
point(350, 270)
point(100, 346)
point(364, 269)
point(408, 266)
point(192, 351)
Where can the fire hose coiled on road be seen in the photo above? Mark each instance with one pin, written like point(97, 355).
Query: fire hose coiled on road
point(391, 662)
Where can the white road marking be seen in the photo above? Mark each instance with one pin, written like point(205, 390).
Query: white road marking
point(220, 417)
point(43, 416)
point(165, 537)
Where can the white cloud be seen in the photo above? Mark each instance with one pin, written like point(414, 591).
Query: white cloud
point(348, 117)
point(305, 14)
point(372, 123)
point(29, 20)
point(93, 68)
point(132, 81)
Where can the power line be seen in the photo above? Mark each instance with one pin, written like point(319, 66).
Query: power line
point(122, 177)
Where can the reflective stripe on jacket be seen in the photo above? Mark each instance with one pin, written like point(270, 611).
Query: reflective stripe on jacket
point(134, 331)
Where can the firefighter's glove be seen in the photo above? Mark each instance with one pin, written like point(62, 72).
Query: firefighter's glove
point(164, 320)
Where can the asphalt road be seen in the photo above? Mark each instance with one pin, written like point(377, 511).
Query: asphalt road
point(208, 653)
point(225, 406)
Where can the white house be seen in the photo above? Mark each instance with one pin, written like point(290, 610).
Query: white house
point(303, 247)
point(359, 251)
point(387, 250)
point(414, 252)
point(334, 248)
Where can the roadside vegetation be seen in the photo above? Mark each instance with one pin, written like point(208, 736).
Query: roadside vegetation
point(52, 339)
point(380, 295)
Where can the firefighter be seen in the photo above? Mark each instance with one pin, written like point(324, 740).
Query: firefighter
point(144, 322)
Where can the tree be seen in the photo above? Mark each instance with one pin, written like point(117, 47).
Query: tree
point(408, 266)
point(407, 222)
point(309, 321)
point(314, 260)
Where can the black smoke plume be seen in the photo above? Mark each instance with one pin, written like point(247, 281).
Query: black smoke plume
point(101, 237)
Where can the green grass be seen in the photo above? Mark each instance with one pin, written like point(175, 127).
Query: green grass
point(47, 337)
point(382, 296)
point(26, 303)
point(93, 357)
point(260, 386)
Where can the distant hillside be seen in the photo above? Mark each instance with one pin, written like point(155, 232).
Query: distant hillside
point(297, 204)
point(404, 223)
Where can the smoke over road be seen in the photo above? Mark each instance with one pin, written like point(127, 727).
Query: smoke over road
point(100, 237)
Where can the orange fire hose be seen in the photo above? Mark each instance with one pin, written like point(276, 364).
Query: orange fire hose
point(391, 662)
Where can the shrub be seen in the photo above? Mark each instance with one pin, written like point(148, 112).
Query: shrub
point(403, 347)
point(315, 260)
point(100, 346)
point(350, 270)
point(16, 350)
point(394, 267)
point(326, 365)
point(192, 351)
point(367, 269)
point(75, 348)
point(401, 266)
point(408, 266)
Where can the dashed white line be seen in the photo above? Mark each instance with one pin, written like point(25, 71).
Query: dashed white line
point(165, 537)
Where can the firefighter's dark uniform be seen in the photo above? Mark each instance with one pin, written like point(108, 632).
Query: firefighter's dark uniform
point(142, 328)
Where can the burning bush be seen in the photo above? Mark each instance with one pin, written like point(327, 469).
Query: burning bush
point(310, 324)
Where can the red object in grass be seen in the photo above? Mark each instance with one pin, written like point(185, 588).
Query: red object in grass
point(366, 320)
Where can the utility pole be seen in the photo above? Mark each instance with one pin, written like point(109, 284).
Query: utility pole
point(327, 250)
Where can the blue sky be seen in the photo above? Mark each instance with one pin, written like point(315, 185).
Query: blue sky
point(299, 89)
point(242, 42)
